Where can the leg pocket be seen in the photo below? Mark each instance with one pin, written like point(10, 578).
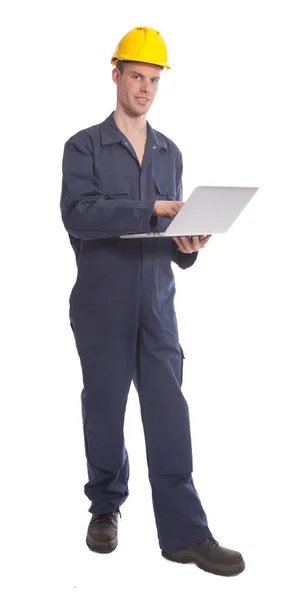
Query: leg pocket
point(182, 365)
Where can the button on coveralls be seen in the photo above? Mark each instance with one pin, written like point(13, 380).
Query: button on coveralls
point(123, 318)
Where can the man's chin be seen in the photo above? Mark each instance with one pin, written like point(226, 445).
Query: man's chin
point(141, 109)
point(136, 111)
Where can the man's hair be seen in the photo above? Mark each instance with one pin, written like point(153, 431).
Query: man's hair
point(120, 65)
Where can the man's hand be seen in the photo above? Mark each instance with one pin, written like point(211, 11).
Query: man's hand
point(167, 208)
point(195, 243)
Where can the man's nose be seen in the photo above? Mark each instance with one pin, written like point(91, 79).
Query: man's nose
point(146, 86)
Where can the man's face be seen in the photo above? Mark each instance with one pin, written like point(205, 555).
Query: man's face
point(136, 87)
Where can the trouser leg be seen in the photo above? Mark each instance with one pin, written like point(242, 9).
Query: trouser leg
point(179, 515)
point(105, 330)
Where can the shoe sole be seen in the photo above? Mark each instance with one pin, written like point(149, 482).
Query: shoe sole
point(205, 565)
point(101, 547)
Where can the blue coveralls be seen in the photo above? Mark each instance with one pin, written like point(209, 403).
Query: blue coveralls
point(123, 318)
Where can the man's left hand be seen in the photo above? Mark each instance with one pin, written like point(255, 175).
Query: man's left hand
point(195, 243)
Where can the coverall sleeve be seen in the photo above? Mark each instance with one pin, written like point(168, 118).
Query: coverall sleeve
point(86, 214)
point(180, 258)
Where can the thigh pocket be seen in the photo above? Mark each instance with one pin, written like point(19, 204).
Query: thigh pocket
point(182, 365)
point(167, 291)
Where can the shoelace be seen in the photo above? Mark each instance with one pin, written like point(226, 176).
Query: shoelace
point(213, 542)
point(108, 517)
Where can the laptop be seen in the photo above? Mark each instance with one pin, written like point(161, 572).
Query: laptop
point(208, 210)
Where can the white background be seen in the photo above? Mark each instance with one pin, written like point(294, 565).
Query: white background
point(230, 103)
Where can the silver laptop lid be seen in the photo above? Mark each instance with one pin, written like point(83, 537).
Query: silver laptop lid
point(210, 209)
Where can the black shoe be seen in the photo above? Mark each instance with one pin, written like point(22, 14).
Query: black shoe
point(102, 534)
point(209, 556)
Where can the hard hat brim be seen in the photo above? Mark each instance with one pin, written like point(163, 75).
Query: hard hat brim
point(148, 62)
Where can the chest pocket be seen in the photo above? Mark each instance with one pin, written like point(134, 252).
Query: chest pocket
point(165, 190)
point(117, 188)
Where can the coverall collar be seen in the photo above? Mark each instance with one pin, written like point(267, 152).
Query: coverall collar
point(111, 134)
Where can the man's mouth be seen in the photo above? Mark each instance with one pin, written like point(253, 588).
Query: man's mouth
point(144, 100)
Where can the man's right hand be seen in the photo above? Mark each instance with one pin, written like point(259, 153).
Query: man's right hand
point(167, 208)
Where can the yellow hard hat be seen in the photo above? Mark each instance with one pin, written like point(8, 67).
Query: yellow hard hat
point(142, 44)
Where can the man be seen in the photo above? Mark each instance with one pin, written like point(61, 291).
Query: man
point(121, 176)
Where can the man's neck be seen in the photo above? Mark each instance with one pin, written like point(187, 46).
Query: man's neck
point(130, 126)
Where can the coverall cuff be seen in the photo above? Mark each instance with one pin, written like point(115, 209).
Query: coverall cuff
point(186, 260)
point(153, 223)
point(182, 259)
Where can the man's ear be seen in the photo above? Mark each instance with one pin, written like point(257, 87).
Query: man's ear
point(116, 75)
